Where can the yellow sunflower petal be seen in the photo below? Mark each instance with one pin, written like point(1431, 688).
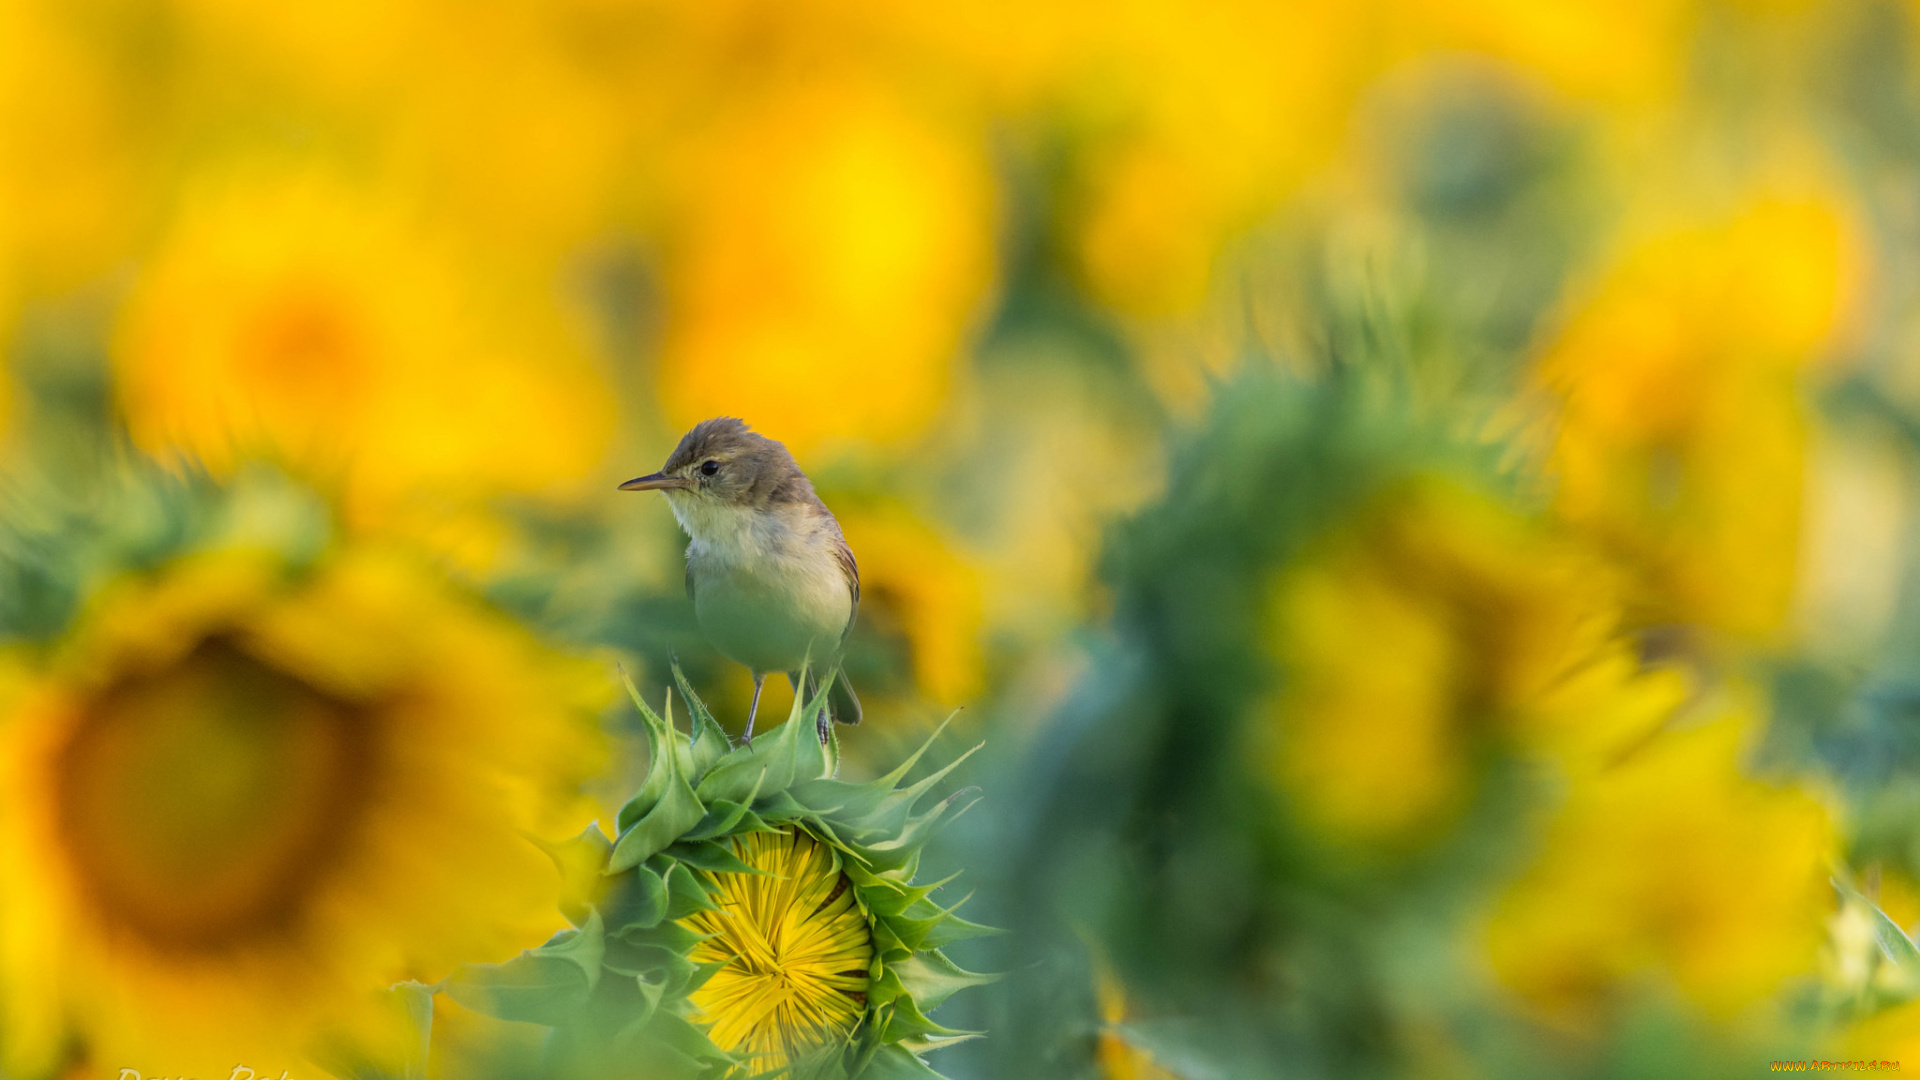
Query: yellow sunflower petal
point(795, 948)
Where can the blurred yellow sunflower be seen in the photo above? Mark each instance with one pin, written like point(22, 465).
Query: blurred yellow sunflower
point(1407, 643)
point(1892, 1035)
point(793, 948)
point(353, 49)
point(240, 799)
point(1669, 864)
point(292, 315)
point(831, 248)
point(1682, 420)
point(916, 585)
point(1206, 121)
point(1625, 52)
point(513, 137)
point(70, 148)
point(6, 384)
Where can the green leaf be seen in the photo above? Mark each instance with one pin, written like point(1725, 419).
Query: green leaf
point(637, 900)
point(685, 893)
point(651, 991)
point(664, 745)
point(952, 928)
point(724, 814)
point(710, 742)
point(819, 826)
point(896, 1063)
point(885, 895)
point(675, 1033)
point(580, 861)
point(928, 1043)
point(682, 744)
point(779, 808)
point(902, 852)
point(1893, 941)
point(888, 945)
point(890, 815)
point(711, 856)
point(839, 798)
point(668, 935)
point(699, 976)
point(932, 978)
point(547, 985)
point(765, 766)
point(789, 752)
point(905, 1020)
point(677, 809)
point(660, 965)
point(926, 925)
point(813, 758)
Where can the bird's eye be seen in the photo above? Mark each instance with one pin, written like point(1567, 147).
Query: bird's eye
point(709, 467)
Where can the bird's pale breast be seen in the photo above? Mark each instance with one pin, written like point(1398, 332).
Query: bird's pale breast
point(768, 589)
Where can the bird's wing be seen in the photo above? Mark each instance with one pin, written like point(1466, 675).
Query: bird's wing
point(851, 570)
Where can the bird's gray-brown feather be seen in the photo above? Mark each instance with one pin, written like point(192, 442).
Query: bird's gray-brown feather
point(852, 570)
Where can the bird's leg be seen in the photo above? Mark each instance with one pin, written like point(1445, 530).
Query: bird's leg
point(759, 678)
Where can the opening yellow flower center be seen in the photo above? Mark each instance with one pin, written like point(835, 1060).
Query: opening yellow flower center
point(200, 804)
point(796, 948)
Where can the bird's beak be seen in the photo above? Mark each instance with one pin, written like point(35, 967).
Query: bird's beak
point(655, 482)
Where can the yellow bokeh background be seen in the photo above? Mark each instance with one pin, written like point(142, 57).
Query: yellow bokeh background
point(451, 272)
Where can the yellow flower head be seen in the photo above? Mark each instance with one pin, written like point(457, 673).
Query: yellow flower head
point(1627, 52)
point(1669, 864)
point(793, 947)
point(1204, 123)
point(6, 385)
point(915, 584)
point(1682, 425)
point(1405, 643)
point(70, 167)
point(351, 49)
point(242, 799)
point(296, 317)
point(830, 252)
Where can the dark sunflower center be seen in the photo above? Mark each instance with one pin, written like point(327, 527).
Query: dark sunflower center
point(201, 804)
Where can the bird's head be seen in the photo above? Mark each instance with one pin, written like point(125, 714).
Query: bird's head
point(723, 462)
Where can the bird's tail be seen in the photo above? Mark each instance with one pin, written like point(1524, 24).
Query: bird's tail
point(844, 702)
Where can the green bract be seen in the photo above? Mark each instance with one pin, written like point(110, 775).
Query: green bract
point(618, 989)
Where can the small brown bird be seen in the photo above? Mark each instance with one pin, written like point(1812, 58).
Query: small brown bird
point(773, 583)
